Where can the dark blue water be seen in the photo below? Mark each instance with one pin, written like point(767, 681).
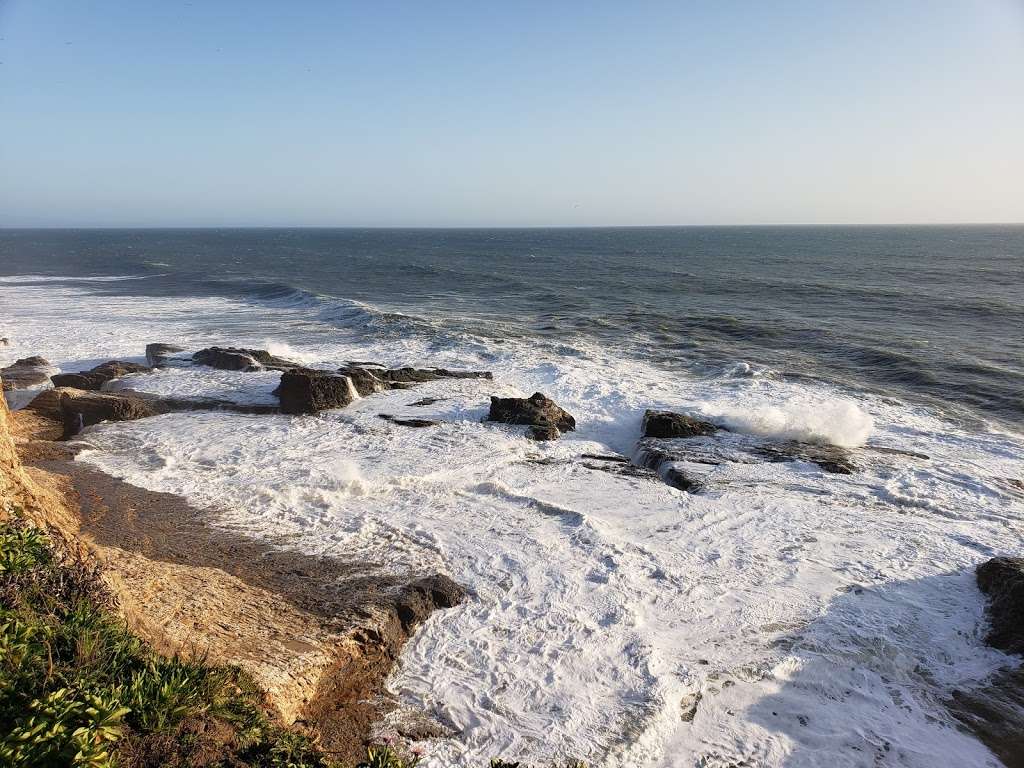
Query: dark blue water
point(931, 314)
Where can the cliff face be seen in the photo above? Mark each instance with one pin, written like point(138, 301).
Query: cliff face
point(318, 635)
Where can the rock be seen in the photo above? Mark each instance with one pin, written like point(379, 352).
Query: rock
point(408, 422)
point(668, 424)
point(305, 390)
point(420, 598)
point(419, 375)
point(829, 457)
point(652, 454)
point(1002, 579)
point(25, 373)
point(157, 354)
point(81, 408)
point(365, 380)
point(238, 359)
point(543, 432)
point(96, 377)
point(537, 410)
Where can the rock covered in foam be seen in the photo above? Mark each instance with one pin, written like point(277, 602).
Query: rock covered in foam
point(537, 411)
point(665, 424)
point(307, 391)
point(25, 373)
point(1002, 579)
point(96, 377)
point(157, 354)
point(240, 359)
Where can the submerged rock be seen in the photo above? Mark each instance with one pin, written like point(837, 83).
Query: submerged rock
point(829, 457)
point(537, 411)
point(25, 373)
point(1002, 579)
point(408, 422)
point(157, 354)
point(668, 424)
point(96, 377)
point(418, 599)
point(306, 391)
point(239, 359)
point(543, 432)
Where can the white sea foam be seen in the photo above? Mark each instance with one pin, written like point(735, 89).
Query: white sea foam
point(821, 618)
point(806, 419)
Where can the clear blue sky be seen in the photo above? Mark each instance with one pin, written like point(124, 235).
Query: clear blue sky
point(225, 112)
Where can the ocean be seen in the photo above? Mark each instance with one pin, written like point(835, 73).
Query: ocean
point(811, 617)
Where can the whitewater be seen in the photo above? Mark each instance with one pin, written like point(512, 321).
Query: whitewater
point(783, 616)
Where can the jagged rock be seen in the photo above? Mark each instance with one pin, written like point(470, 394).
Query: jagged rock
point(419, 375)
point(537, 410)
point(25, 373)
point(420, 598)
point(157, 354)
point(238, 359)
point(82, 408)
point(1002, 579)
point(668, 424)
point(408, 422)
point(366, 381)
point(305, 390)
point(96, 377)
point(829, 457)
point(543, 432)
point(652, 455)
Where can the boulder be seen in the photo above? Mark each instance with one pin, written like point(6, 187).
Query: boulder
point(418, 599)
point(543, 432)
point(82, 408)
point(25, 373)
point(305, 390)
point(666, 424)
point(537, 410)
point(238, 359)
point(157, 354)
point(366, 381)
point(1002, 579)
point(96, 377)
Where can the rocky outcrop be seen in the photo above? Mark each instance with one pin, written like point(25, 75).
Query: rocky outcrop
point(830, 458)
point(420, 375)
point(546, 419)
point(665, 424)
point(307, 391)
point(157, 354)
point(1002, 579)
point(96, 377)
point(418, 423)
point(25, 373)
point(239, 359)
point(83, 408)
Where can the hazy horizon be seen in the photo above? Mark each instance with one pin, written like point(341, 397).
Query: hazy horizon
point(150, 115)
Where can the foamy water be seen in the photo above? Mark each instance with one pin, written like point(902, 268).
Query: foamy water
point(818, 618)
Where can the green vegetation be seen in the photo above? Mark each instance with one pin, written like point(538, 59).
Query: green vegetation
point(78, 689)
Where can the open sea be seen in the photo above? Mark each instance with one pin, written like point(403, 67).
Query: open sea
point(783, 616)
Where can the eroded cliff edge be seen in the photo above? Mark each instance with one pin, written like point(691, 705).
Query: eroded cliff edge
point(319, 635)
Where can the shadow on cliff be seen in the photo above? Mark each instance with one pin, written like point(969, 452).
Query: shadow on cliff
point(897, 675)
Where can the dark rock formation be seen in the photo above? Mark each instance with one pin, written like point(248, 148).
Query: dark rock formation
point(420, 598)
point(543, 432)
point(4, 341)
point(1002, 579)
point(81, 408)
point(238, 359)
point(536, 410)
point(157, 354)
point(652, 454)
point(305, 390)
point(829, 457)
point(368, 380)
point(408, 422)
point(25, 373)
point(668, 424)
point(95, 378)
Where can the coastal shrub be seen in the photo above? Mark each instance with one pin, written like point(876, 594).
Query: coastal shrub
point(77, 688)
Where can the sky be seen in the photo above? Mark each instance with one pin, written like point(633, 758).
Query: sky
point(331, 113)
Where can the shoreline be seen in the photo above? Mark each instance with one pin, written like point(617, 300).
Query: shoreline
point(318, 635)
